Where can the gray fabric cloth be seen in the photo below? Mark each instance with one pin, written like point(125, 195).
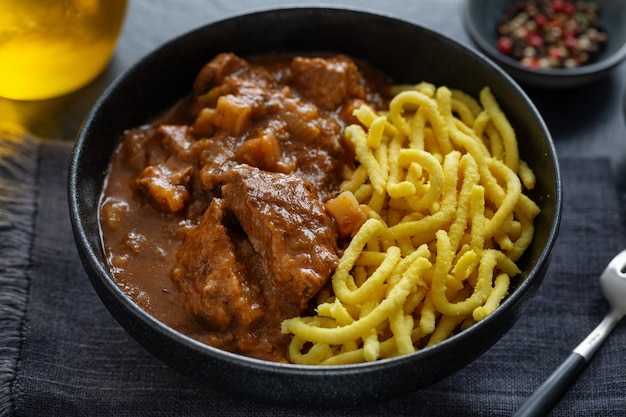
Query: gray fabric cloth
point(61, 353)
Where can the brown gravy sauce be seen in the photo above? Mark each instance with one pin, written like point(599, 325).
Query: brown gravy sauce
point(212, 216)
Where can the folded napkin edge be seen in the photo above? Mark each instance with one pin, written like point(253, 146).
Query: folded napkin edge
point(19, 156)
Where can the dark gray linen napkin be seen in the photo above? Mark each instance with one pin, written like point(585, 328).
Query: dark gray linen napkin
point(61, 353)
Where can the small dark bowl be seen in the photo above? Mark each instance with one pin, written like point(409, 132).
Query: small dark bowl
point(166, 75)
point(481, 17)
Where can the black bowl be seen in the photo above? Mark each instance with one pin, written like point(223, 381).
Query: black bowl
point(405, 51)
point(481, 17)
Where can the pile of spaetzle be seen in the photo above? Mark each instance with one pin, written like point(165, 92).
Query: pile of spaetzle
point(442, 185)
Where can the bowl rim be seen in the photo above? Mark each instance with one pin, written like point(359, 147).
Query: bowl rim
point(609, 61)
point(91, 259)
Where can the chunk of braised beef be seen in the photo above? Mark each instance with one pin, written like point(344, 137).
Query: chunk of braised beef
point(215, 79)
point(216, 157)
point(287, 226)
point(215, 71)
point(223, 285)
point(137, 142)
point(214, 283)
point(166, 167)
point(328, 82)
point(178, 141)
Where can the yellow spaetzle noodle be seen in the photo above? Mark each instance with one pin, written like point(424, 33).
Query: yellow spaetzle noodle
point(440, 179)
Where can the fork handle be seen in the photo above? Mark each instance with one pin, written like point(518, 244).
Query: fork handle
point(544, 397)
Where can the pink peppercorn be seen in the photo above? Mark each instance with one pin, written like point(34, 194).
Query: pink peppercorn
point(535, 40)
point(505, 45)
